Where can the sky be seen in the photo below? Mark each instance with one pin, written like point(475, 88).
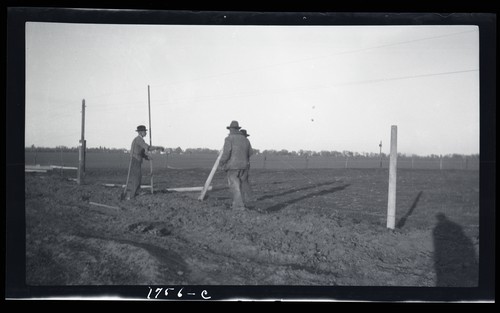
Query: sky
point(315, 88)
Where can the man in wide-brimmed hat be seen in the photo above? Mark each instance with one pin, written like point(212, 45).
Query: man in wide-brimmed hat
point(137, 154)
point(234, 160)
point(244, 132)
point(246, 189)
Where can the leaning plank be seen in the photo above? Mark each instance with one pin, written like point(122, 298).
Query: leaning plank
point(63, 167)
point(188, 189)
point(34, 170)
point(210, 176)
point(103, 205)
point(179, 189)
point(37, 167)
point(123, 186)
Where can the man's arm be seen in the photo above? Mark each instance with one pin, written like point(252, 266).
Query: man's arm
point(226, 152)
point(141, 143)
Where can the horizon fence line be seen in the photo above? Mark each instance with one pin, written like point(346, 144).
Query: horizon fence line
point(99, 160)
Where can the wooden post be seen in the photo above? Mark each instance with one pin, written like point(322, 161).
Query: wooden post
point(210, 177)
point(81, 149)
point(80, 167)
point(391, 204)
point(346, 160)
point(84, 146)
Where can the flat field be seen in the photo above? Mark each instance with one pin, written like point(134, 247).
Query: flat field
point(117, 160)
point(306, 227)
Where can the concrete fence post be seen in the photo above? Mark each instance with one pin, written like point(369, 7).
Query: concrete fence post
point(391, 203)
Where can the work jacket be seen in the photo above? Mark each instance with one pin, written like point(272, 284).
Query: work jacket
point(236, 152)
point(139, 148)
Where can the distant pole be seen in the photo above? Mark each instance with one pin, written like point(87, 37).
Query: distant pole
point(62, 163)
point(441, 162)
point(150, 141)
point(391, 204)
point(84, 142)
point(380, 153)
point(346, 160)
point(81, 148)
point(412, 161)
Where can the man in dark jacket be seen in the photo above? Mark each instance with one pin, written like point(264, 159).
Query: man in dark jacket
point(246, 189)
point(137, 154)
point(234, 160)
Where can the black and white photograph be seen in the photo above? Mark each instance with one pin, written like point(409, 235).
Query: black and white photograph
point(202, 156)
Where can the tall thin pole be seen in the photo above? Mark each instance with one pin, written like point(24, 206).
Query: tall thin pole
point(391, 203)
point(149, 109)
point(380, 153)
point(81, 148)
point(150, 141)
point(84, 143)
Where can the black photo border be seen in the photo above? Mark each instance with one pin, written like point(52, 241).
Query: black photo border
point(17, 16)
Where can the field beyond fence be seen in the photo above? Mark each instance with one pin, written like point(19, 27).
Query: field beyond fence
point(110, 160)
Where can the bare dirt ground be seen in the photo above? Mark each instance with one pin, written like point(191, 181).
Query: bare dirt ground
point(308, 227)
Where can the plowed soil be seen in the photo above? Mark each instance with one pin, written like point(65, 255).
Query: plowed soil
point(309, 227)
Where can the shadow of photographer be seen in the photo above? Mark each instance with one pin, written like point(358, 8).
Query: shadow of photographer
point(455, 259)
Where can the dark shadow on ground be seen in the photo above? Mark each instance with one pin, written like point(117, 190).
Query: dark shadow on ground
point(295, 190)
point(455, 260)
point(402, 221)
point(280, 206)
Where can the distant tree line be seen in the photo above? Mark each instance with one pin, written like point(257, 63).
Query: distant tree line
point(282, 152)
point(72, 149)
point(353, 154)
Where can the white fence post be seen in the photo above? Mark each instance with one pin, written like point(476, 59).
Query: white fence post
point(391, 203)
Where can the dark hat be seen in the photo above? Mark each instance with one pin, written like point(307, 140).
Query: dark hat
point(141, 128)
point(244, 132)
point(234, 124)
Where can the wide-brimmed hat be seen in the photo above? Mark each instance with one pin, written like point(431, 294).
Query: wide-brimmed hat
point(141, 128)
point(244, 132)
point(234, 124)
